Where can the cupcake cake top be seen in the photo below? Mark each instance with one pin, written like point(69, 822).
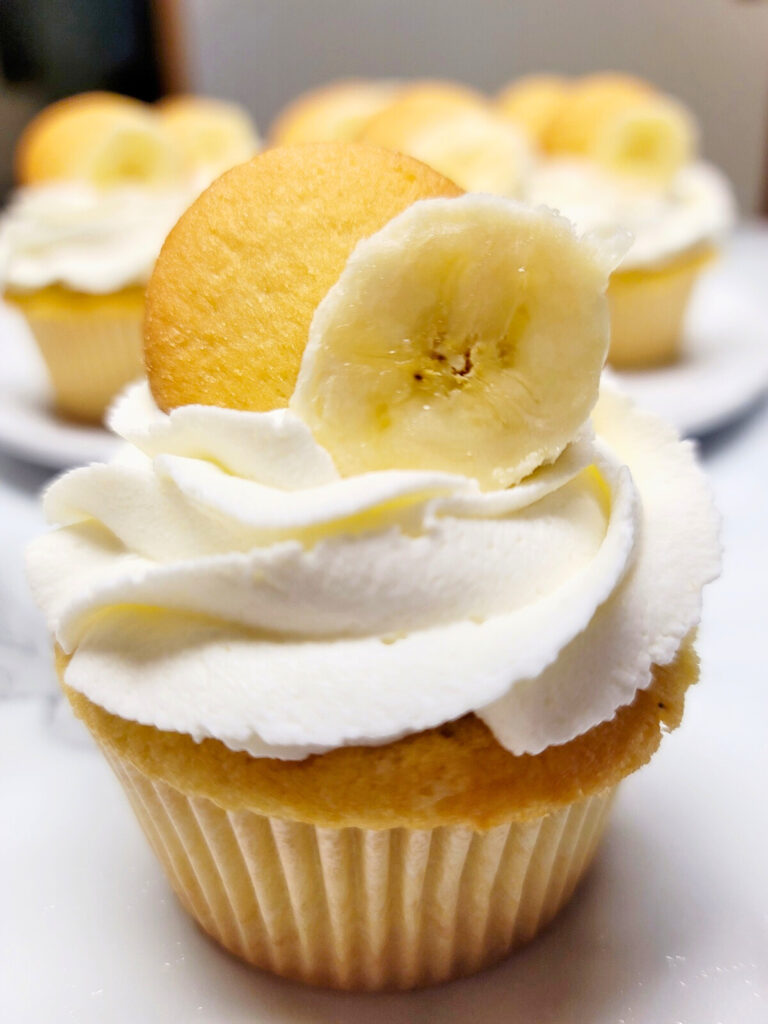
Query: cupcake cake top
point(370, 487)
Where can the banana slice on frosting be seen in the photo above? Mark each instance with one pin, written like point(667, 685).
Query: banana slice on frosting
point(467, 335)
point(651, 138)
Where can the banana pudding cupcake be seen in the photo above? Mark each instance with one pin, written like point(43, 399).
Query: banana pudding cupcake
point(381, 602)
point(102, 180)
point(618, 153)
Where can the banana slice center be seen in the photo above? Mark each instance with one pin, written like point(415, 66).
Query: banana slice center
point(452, 358)
point(468, 336)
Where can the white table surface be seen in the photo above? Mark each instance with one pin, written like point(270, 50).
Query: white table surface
point(670, 927)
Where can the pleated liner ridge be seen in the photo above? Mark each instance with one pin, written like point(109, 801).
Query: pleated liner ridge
point(89, 361)
point(354, 908)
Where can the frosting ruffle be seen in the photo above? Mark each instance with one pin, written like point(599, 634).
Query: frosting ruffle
point(695, 208)
point(219, 578)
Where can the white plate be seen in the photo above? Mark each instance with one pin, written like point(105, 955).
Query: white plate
point(724, 371)
point(29, 428)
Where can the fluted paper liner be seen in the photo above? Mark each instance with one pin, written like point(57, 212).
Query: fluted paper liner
point(89, 359)
point(648, 310)
point(356, 908)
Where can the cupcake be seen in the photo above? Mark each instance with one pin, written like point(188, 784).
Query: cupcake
point(102, 180)
point(618, 153)
point(380, 603)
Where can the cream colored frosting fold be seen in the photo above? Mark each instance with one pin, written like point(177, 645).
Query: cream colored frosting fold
point(666, 220)
point(219, 578)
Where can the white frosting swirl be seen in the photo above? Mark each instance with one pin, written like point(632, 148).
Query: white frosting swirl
point(87, 239)
point(219, 578)
point(696, 207)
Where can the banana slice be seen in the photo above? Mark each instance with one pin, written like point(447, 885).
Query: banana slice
point(101, 138)
point(478, 149)
point(651, 139)
point(211, 135)
point(467, 335)
point(532, 102)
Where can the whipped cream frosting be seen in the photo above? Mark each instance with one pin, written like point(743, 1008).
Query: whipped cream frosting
point(219, 578)
point(696, 207)
point(88, 239)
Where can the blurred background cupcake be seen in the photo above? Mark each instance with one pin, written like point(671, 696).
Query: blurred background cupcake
point(102, 178)
point(616, 152)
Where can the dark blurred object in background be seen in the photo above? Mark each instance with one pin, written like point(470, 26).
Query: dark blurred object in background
point(50, 49)
point(63, 48)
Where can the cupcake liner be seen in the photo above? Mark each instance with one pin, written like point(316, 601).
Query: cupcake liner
point(647, 313)
point(89, 358)
point(355, 908)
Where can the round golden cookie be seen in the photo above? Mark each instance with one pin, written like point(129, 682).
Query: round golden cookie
point(334, 113)
point(99, 137)
point(533, 102)
point(588, 103)
point(240, 275)
point(416, 108)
